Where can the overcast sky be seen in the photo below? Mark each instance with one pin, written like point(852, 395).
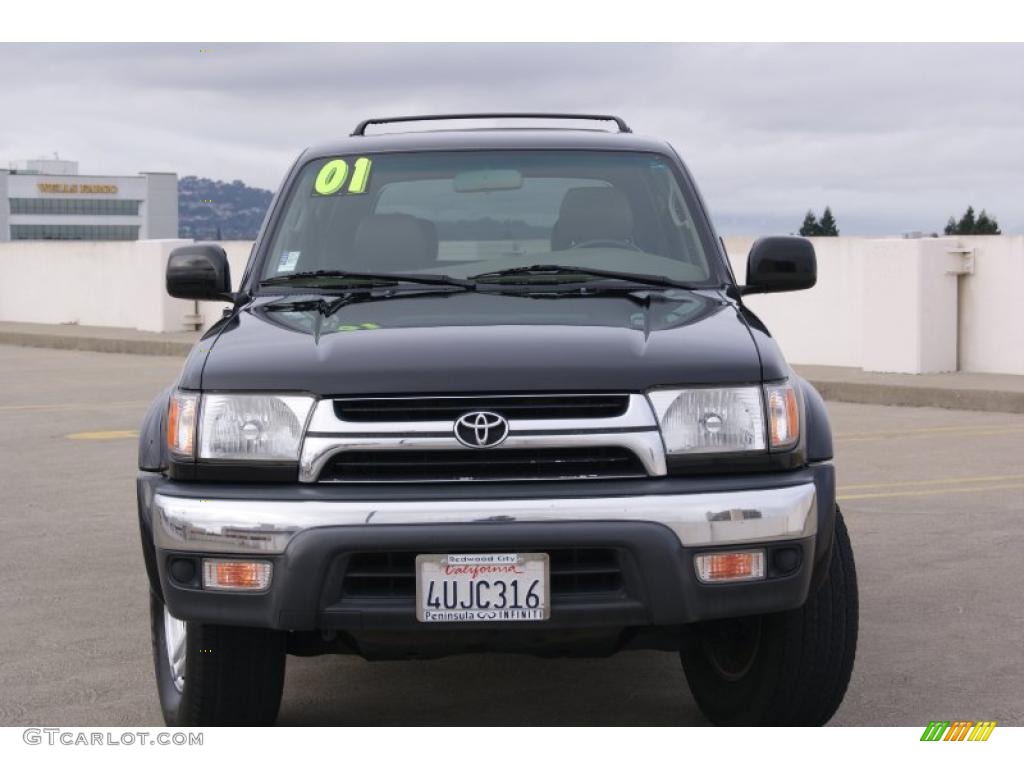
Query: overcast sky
point(894, 137)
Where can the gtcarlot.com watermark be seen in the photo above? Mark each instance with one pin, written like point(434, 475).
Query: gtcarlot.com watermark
point(74, 737)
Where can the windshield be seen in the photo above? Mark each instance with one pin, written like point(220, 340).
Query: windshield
point(462, 214)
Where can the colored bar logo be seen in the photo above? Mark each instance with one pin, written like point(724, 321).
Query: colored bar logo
point(958, 730)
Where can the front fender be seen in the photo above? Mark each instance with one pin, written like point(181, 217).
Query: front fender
point(818, 443)
point(152, 443)
point(152, 459)
point(817, 426)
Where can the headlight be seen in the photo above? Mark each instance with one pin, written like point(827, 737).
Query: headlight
point(252, 427)
point(239, 427)
point(726, 420)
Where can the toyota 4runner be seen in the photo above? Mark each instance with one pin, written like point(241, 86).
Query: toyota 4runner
point(493, 390)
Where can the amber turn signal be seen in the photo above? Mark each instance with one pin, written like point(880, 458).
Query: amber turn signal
point(730, 566)
point(237, 575)
point(783, 416)
point(181, 423)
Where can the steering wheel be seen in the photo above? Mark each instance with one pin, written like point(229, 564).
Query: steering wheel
point(606, 243)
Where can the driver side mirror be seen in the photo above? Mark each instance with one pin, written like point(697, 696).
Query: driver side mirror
point(778, 264)
point(199, 271)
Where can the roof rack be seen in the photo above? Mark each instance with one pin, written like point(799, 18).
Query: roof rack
point(361, 128)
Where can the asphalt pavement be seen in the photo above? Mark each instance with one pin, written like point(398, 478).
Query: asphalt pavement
point(934, 500)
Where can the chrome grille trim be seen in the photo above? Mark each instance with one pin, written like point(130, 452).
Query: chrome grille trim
point(406, 408)
point(436, 466)
point(638, 414)
point(636, 429)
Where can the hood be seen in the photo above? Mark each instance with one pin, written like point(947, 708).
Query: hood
point(474, 343)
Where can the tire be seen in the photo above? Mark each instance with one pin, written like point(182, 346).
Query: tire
point(789, 668)
point(230, 675)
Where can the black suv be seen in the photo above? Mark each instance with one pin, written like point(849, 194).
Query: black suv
point(493, 390)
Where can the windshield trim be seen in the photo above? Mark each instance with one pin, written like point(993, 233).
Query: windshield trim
point(721, 273)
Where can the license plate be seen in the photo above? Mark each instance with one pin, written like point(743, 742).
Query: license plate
point(482, 587)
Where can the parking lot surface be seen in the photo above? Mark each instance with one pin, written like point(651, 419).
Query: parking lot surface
point(934, 500)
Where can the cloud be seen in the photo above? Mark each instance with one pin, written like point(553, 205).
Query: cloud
point(893, 137)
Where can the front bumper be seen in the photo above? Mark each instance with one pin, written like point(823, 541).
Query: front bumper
point(698, 520)
point(311, 536)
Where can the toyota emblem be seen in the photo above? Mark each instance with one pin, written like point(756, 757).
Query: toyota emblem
point(481, 429)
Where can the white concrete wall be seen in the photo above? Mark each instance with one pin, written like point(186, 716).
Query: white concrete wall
point(897, 305)
point(119, 284)
point(880, 304)
point(991, 326)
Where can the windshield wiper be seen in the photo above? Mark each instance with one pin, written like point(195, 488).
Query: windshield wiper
point(554, 270)
point(336, 276)
point(355, 296)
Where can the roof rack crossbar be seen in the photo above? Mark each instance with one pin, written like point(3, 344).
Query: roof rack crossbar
point(361, 128)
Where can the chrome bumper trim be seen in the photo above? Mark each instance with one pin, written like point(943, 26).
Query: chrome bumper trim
point(700, 519)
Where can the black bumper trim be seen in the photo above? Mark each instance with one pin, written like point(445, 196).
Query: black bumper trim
point(661, 587)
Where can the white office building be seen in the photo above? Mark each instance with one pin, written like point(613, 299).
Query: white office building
point(49, 200)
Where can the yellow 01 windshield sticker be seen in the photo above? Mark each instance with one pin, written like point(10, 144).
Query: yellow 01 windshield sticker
point(360, 176)
point(331, 178)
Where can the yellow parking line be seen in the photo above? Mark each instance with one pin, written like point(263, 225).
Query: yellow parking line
point(73, 406)
point(945, 481)
point(920, 429)
point(986, 429)
point(929, 492)
point(113, 434)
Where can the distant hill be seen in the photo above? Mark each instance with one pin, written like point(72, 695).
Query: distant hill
point(217, 210)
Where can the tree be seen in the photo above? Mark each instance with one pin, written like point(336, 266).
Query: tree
point(828, 224)
point(966, 224)
point(824, 228)
point(985, 225)
point(810, 227)
point(969, 225)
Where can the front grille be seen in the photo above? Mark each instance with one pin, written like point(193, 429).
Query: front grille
point(574, 572)
point(482, 464)
point(412, 409)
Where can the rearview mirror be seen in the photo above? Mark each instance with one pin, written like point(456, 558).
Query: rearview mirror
point(780, 264)
point(491, 180)
point(199, 271)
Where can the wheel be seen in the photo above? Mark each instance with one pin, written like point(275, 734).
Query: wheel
point(789, 668)
point(215, 675)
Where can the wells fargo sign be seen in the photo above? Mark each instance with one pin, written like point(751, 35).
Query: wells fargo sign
point(108, 189)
